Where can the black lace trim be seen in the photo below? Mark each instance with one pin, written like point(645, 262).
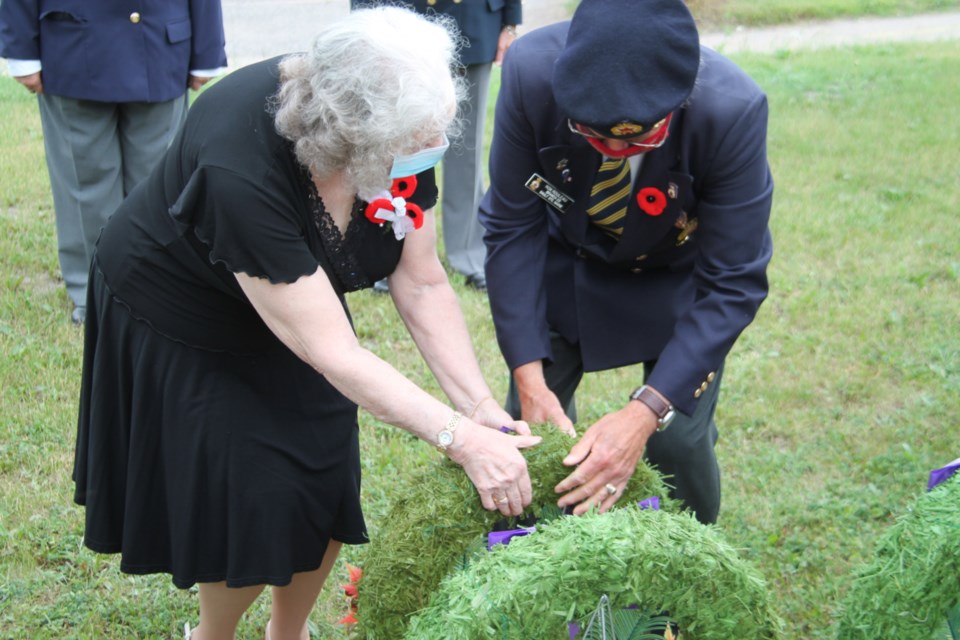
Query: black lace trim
point(341, 251)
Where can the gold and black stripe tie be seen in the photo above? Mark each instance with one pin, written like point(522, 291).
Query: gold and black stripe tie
point(609, 196)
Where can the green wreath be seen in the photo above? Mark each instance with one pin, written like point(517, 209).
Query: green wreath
point(436, 529)
point(912, 583)
point(657, 560)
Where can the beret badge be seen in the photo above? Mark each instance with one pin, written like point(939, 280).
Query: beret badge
point(626, 129)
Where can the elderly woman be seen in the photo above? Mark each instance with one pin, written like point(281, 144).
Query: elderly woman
point(218, 437)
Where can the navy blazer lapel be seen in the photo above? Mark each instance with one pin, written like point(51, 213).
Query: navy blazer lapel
point(571, 169)
point(656, 203)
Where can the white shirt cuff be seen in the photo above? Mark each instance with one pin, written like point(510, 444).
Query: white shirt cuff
point(207, 73)
point(20, 68)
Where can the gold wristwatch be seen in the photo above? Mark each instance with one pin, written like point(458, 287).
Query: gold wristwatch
point(445, 437)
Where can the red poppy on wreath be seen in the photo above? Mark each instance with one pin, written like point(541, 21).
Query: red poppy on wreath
point(402, 216)
point(652, 201)
point(350, 590)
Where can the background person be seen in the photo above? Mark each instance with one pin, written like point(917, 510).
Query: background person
point(218, 437)
point(489, 29)
point(111, 80)
point(627, 222)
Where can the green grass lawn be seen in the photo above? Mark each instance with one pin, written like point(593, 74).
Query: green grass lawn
point(837, 401)
point(726, 13)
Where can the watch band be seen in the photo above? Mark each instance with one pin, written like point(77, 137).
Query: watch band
point(660, 407)
point(445, 437)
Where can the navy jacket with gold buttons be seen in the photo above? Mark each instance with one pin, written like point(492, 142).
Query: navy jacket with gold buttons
point(689, 271)
point(116, 51)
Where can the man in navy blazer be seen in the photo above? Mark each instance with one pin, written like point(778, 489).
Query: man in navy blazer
point(111, 80)
point(679, 276)
point(489, 27)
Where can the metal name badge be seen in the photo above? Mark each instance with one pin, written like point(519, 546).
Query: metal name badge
point(549, 193)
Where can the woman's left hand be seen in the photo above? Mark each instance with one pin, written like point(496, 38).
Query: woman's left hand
point(490, 414)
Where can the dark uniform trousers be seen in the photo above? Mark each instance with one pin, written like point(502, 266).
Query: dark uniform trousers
point(683, 452)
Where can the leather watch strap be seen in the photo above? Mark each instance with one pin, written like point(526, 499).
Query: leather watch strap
point(660, 407)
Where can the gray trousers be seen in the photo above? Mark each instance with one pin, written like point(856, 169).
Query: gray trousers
point(462, 187)
point(96, 153)
point(683, 452)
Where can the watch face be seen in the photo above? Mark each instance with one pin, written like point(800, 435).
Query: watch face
point(445, 438)
point(667, 419)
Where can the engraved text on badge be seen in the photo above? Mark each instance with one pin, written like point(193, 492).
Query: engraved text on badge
point(549, 193)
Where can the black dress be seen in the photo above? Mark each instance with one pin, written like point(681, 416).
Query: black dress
point(205, 448)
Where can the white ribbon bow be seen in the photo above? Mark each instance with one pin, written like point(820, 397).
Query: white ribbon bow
point(401, 223)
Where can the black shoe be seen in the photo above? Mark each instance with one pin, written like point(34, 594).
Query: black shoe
point(79, 315)
point(381, 286)
point(478, 281)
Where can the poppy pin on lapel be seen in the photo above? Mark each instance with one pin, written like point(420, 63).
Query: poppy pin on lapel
point(652, 201)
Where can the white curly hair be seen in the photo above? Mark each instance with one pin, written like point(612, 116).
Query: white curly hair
point(381, 81)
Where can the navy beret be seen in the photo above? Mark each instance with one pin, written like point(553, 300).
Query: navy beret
point(626, 64)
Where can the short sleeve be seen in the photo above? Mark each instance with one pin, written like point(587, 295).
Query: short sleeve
point(375, 249)
point(250, 228)
point(424, 189)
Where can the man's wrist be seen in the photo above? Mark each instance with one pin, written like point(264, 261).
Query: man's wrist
point(529, 376)
point(20, 68)
point(657, 403)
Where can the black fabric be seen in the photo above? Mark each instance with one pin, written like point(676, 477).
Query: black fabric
point(205, 448)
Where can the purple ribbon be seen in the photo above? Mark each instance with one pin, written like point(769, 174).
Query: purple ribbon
point(503, 537)
point(652, 502)
point(938, 476)
point(574, 630)
point(506, 429)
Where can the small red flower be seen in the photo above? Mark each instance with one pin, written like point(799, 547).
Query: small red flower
point(351, 592)
point(375, 206)
point(355, 573)
point(416, 213)
point(651, 201)
point(404, 187)
point(348, 619)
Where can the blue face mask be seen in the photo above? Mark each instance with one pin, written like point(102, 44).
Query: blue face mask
point(414, 163)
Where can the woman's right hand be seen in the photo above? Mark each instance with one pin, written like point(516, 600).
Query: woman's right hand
point(496, 467)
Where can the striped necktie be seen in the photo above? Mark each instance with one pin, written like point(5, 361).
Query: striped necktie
point(609, 196)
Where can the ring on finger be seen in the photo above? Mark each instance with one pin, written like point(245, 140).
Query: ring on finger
point(503, 500)
point(610, 488)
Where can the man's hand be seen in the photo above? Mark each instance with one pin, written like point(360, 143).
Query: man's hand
point(537, 402)
point(507, 36)
point(197, 81)
point(605, 458)
point(33, 82)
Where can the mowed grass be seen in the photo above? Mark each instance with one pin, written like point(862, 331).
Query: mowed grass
point(836, 404)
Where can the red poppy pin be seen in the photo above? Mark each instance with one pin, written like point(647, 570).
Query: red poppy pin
point(652, 201)
point(393, 209)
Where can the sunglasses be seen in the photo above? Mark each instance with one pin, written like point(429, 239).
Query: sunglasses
point(636, 141)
